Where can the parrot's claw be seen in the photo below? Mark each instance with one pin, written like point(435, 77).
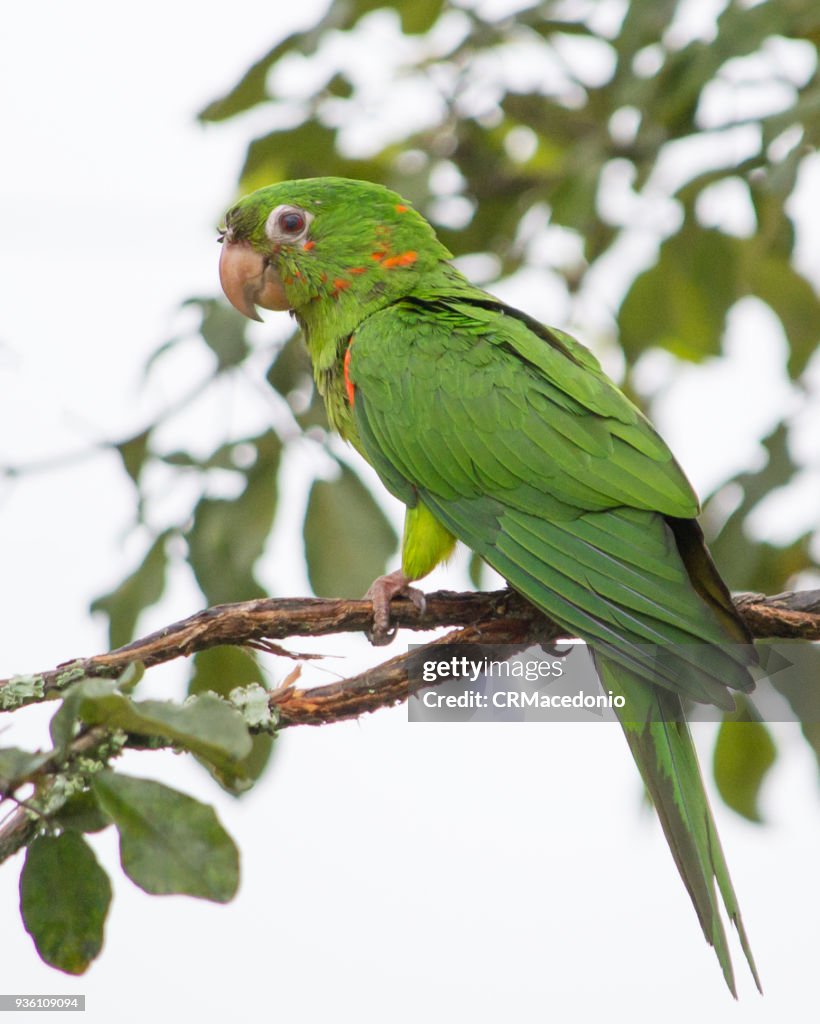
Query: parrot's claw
point(381, 593)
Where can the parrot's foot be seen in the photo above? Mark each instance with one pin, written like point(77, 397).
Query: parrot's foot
point(381, 593)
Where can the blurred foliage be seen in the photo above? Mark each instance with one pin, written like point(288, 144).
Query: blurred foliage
point(547, 138)
point(803, 699)
point(345, 505)
point(744, 753)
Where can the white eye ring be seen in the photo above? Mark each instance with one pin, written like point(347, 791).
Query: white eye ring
point(287, 223)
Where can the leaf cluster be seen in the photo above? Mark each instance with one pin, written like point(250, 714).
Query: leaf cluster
point(169, 842)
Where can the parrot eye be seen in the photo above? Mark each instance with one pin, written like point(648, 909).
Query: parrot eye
point(286, 222)
point(292, 222)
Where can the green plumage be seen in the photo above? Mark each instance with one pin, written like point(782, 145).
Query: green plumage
point(507, 435)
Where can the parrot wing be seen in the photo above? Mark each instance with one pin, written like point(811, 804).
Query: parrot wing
point(517, 443)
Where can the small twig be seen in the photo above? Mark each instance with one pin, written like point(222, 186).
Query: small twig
point(394, 681)
point(18, 829)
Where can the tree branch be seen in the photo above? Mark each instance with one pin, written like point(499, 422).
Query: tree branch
point(499, 617)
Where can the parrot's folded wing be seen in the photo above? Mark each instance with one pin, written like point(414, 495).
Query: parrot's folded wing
point(515, 442)
point(570, 504)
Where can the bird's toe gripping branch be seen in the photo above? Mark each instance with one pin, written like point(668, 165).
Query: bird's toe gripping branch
point(381, 593)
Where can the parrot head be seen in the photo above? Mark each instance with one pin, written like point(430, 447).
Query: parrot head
point(323, 242)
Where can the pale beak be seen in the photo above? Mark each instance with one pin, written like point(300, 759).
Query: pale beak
point(249, 280)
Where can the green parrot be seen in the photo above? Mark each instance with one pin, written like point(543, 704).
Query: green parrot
point(504, 434)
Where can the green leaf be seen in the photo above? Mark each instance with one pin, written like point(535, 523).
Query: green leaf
point(476, 570)
point(133, 453)
point(227, 537)
point(799, 687)
point(223, 330)
point(205, 725)
point(81, 813)
point(744, 753)
point(239, 777)
point(221, 670)
point(222, 554)
point(681, 303)
point(169, 842)
point(16, 765)
point(340, 85)
point(64, 722)
point(129, 678)
point(290, 368)
point(300, 152)
point(760, 566)
point(419, 16)
point(795, 302)
point(347, 537)
point(290, 374)
point(64, 898)
point(252, 87)
point(250, 90)
point(144, 587)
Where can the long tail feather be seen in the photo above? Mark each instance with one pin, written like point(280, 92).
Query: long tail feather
point(661, 744)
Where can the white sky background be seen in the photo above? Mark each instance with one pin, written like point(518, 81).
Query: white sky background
point(398, 873)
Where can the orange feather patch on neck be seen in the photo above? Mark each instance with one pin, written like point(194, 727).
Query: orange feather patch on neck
point(349, 388)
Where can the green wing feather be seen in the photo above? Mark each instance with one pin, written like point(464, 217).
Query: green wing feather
point(517, 443)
